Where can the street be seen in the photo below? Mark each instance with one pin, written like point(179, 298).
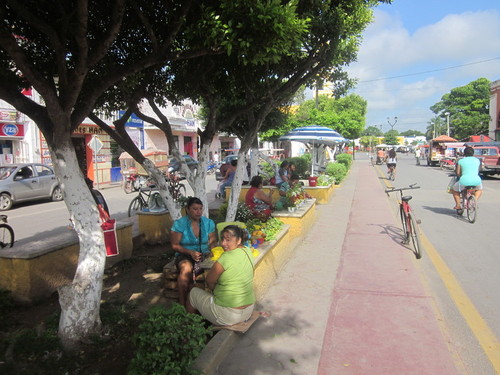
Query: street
point(34, 219)
point(460, 260)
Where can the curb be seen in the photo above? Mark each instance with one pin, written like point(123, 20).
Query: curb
point(215, 351)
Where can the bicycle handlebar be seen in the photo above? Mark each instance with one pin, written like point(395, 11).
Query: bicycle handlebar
point(410, 187)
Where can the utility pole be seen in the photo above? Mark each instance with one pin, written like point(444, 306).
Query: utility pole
point(394, 124)
point(447, 114)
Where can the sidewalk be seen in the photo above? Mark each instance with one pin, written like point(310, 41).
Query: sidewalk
point(349, 301)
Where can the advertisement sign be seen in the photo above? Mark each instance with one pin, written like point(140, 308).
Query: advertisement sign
point(133, 120)
point(11, 130)
point(8, 116)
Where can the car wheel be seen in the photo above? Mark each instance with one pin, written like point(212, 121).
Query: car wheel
point(57, 194)
point(5, 202)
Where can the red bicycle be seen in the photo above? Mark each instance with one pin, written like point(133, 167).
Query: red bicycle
point(408, 221)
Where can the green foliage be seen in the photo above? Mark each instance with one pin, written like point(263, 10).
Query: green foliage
point(270, 227)
point(337, 170)
point(391, 137)
point(302, 164)
point(468, 107)
point(411, 133)
point(372, 131)
point(345, 159)
point(325, 179)
point(243, 213)
point(267, 169)
point(168, 342)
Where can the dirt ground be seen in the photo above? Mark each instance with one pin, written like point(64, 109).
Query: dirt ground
point(130, 288)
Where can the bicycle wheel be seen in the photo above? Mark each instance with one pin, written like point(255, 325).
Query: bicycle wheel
point(137, 204)
point(415, 236)
point(6, 236)
point(471, 209)
point(404, 224)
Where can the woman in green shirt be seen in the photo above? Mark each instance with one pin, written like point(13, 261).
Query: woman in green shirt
point(231, 281)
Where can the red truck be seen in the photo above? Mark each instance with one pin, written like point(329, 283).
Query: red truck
point(490, 159)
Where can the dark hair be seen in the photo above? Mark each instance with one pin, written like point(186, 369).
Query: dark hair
point(256, 181)
point(284, 164)
point(468, 151)
point(234, 162)
point(291, 164)
point(294, 177)
point(193, 200)
point(392, 153)
point(235, 231)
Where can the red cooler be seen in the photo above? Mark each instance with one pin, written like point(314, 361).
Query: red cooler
point(313, 181)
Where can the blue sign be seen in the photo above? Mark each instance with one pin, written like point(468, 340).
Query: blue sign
point(10, 129)
point(133, 120)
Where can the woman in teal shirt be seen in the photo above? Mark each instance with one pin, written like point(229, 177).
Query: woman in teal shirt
point(192, 236)
point(231, 281)
point(468, 173)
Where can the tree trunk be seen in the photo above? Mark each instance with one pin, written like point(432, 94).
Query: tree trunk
point(236, 187)
point(80, 300)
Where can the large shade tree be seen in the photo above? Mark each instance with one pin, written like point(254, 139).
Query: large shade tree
point(73, 51)
point(468, 108)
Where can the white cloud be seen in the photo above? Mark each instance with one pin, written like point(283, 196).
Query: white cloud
point(390, 50)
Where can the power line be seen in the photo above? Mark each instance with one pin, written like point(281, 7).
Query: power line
point(430, 71)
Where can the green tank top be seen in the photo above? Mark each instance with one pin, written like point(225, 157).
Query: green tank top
point(235, 285)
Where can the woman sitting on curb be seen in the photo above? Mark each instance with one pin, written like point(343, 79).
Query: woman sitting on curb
point(231, 281)
point(259, 202)
point(192, 237)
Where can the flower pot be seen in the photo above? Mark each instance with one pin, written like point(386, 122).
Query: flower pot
point(313, 181)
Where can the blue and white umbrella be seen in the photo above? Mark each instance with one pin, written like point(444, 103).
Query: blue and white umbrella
point(318, 136)
point(314, 134)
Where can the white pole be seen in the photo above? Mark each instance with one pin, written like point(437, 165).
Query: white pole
point(312, 160)
point(96, 171)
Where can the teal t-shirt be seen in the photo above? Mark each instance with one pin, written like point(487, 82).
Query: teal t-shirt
point(189, 240)
point(235, 285)
point(470, 171)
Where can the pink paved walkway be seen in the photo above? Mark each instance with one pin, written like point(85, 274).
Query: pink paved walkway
point(381, 319)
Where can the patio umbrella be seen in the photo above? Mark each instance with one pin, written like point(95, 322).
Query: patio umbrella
point(317, 136)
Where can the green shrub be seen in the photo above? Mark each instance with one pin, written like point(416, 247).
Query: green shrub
point(345, 159)
point(243, 213)
point(168, 342)
point(337, 170)
point(302, 165)
point(325, 179)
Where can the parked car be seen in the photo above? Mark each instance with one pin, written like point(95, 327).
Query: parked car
point(174, 165)
point(27, 182)
point(490, 159)
point(220, 171)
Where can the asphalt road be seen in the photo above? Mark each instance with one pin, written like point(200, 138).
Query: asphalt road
point(34, 219)
point(460, 261)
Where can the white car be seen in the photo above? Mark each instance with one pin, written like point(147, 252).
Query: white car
point(27, 182)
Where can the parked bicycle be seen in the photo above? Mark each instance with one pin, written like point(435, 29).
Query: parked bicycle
point(147, 198)
point(175, 187)
point(408, 221)
point(6, 233)
point(469, 203)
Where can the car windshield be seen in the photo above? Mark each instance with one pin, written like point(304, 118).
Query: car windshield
point(5, 172)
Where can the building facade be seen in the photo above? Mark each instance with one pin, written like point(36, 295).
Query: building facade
point(494, 126)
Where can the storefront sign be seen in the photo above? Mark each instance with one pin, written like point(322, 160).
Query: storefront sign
point(88, 129)
point(8, 116)
point(133, 120)
point(11, 130)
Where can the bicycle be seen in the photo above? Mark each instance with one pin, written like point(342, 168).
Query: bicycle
point(469, 203)
point(410, 229)
point(146, 199)
point(6, 233)
point(175, 187)
point(391, 175)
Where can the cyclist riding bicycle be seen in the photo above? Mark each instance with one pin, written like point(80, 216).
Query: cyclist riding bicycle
point(391, 161)
point(467, 172)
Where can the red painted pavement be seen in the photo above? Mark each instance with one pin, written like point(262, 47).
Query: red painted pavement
point(381, 320)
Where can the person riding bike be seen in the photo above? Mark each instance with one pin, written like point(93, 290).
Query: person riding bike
point(380, 156)
point(467, 172)
point(391, 161)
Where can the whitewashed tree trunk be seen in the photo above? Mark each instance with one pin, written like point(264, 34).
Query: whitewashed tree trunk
point(271, 161)
point(157, 175)
point(80, 300)
point(254, 162)
point(236, 188)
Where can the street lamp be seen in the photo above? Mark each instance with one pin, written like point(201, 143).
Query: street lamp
point(447, 114)
point(392, 125)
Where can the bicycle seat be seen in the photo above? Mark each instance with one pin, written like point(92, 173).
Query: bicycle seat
point(406, 198)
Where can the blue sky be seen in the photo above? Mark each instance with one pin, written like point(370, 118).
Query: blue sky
point(416, 51)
